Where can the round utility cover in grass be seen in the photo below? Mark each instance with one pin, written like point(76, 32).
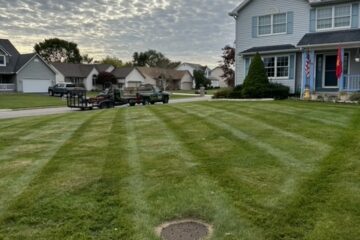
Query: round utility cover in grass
point(184, 230)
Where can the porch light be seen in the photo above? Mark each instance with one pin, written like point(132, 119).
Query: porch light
point(357, 56)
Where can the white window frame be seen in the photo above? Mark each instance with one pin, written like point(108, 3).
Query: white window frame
point(276, 66)
point(271, 25)
point(4, 64)
point(333, 18)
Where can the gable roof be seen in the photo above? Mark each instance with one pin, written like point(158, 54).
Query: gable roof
point(23, 59)
point(74, 69)
point(243, 3)
point(156, 73)
point(122, 73)
point(195, 66)
point(102, 67)
point(8, 47)
point(334, 38)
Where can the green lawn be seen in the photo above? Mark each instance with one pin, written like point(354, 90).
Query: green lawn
point(275, 170)
point(209, 91)
point(18, 101)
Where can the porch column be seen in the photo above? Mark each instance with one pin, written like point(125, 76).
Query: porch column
point(305, 81)
point(342, 78)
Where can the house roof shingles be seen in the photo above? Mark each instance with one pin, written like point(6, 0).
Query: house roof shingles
point(264, 49)
point(335, 37)
point(156, 73)
point(122, 73)
point(15, 60)
point(75, 70)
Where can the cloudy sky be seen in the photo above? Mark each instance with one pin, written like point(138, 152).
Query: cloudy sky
point(184, 30)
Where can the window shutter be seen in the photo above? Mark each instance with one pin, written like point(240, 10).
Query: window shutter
point(254, 27)
point(292, 67)
point(355, 16)
point(312, 20)
point(290, 22)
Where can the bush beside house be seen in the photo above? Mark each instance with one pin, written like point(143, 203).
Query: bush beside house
point(256, 85)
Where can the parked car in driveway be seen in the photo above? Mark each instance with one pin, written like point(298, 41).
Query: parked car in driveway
point(61, 89)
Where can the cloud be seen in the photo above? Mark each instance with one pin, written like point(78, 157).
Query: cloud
point(184, 30)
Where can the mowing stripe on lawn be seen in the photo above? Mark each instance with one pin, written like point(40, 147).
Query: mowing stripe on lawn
point(13, 183)
point(225, 216)
point(299, 218)
point(216, 166)
point(297, 166)
point(285, 158)
point(305, 140)
point(281, 110)
point(305, 128)
point(59, 191)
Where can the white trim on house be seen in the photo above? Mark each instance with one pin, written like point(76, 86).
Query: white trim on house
point(275, 67)
point(3, 64)
point(36, 55)
point(324, 68)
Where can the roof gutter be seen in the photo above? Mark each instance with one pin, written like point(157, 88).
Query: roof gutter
point(270, 52)
point(328, 44)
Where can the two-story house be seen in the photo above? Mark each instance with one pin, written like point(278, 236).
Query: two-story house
point(299, 41)
point(27, 73)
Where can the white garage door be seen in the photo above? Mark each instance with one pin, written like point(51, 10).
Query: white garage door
point(36, 86)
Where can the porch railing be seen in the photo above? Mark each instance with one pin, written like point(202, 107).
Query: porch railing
point(7, 87)
point(351, 83)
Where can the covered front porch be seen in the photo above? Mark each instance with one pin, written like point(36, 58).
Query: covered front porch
point(319, 62)
point(7, 83)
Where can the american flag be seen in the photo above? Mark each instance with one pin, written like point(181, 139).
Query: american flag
point(307, 65)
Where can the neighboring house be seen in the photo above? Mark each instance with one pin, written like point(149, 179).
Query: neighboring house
point(168, 79)
point(290, 33)
point(192, 67)
point(217, 79)
point(128, 77)
point(84, 75)
point(27, 73)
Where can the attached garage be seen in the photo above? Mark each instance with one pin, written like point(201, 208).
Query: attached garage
point(186, 86)
point(36, 86)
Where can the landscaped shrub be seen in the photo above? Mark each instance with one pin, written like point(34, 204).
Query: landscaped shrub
point(223, 93)
point(256, 83)
point(278, 91)
point(236, 92)
point(355, 97)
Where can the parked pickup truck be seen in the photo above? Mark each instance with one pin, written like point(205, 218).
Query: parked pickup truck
point(61, 89)
point(150, 94)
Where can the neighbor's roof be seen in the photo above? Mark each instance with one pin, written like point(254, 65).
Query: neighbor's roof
point(195, 66)
point(74, 70)
point(122, 73)
point(23, 59)
point(330, 38)
point(265, 49)
point(12, 58)
point(102, 67)
point(156, 73)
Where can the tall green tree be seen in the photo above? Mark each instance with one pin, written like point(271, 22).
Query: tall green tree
point(58, 50)
point(228, 65)
point(256, 83)
point(116, 62)
point(201, 80)
point(152, 58)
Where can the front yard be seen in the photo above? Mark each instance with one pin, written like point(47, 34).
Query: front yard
point(277, 170)
point(19, 101)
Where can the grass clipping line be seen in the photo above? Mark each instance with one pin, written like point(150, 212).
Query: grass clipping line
point(159, 230)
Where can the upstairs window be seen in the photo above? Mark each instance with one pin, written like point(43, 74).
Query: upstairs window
point(2, 61)
point(272, 24)
point(333, 17)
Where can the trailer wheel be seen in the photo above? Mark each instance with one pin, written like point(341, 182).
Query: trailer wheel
point(132, 104)
point(152, 102)
point(110, 105)
point(166, 100)
point(146, 101)
point(102, 105)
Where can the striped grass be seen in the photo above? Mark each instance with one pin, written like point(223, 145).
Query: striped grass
point(279, 170)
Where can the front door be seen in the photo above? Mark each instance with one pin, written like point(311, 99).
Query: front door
point(330, 78)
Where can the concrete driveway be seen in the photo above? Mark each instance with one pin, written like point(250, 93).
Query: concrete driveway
point(7, 114)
